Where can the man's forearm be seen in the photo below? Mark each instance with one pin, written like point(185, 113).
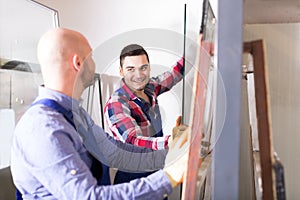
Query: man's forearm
point(123, 156)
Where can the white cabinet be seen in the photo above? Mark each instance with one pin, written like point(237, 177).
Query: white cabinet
point(18, 89)
point(4, 90)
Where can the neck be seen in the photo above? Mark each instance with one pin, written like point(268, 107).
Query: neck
point(139, 93)
point(143, 95)
point(68, 89)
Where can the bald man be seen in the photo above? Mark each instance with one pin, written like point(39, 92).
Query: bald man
point(56, 143)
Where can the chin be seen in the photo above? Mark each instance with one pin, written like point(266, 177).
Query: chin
point(89, 84)
point(139, 88)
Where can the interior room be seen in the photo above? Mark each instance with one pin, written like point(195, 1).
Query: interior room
point(206, 33)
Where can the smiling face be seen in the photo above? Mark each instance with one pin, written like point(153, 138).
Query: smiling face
point(135, 72)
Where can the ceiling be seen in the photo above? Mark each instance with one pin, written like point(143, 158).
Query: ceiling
point(271, 11)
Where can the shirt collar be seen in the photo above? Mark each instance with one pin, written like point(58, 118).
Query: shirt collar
point(64, 100)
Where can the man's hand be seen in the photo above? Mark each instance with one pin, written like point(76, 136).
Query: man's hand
point(178, 131)
point(176, 160)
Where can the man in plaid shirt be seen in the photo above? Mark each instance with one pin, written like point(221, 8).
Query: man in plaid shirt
point(132, 112)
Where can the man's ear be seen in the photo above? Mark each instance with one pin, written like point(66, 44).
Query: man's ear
point(77, 62)
point(121, 71)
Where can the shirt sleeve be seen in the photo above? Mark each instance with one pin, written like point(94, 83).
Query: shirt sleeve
point(167, 80)
point(117, 154)
point(126, 129)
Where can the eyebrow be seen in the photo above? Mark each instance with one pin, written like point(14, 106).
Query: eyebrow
point(144, 65)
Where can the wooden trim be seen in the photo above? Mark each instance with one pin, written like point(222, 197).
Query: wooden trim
point(256, 48)
point(197, 112)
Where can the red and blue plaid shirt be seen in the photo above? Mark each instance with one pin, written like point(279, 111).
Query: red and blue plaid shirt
point(135, 121)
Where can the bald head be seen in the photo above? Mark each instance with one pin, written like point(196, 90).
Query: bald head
point(61, 53)
point(57, 45)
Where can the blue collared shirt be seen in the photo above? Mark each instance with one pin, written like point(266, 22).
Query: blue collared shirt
point(50, 161)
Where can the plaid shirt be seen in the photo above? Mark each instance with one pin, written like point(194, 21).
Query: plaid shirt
point(135, 121)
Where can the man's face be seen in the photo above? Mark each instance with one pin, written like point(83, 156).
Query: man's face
point(136, 72)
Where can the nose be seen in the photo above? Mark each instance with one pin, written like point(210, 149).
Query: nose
point(139, 73)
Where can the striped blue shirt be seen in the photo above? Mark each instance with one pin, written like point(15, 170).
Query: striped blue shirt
point(50, 159)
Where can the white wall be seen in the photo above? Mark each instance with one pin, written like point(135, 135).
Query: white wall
point(101, 20)
point(22, 23)
point(283, 61)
